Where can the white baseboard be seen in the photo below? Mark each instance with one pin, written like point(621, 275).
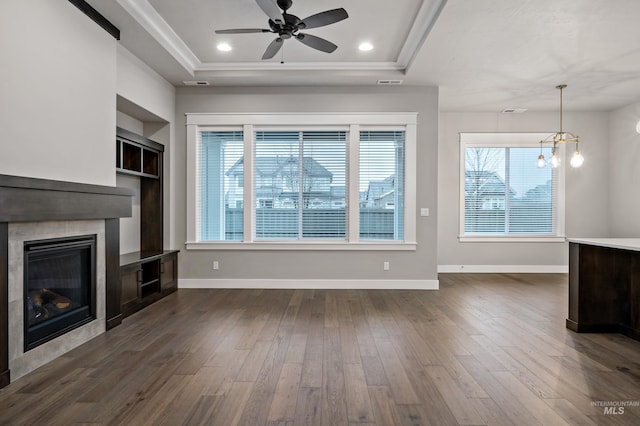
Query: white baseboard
point(504, 269)
point(310, 284)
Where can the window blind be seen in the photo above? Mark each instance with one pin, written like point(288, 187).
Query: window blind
point(300, 184)
point(382, 185)
point(505, 193)
point(221, 179)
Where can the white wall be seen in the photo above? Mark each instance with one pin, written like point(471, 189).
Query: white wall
point(57, 93)
point(624, 160)
point(129, 123)
point(587, 188)
point(144, 87)
point(324, 265)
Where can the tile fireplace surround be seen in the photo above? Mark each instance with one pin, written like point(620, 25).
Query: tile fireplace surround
point(35, 209)
point(21, 362)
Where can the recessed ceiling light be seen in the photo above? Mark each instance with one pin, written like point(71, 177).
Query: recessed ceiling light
point(224, 47)
point(366, 46)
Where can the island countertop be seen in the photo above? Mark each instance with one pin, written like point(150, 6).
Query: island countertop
point(632, 244)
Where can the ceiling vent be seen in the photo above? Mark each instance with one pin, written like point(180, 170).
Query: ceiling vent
point(388, 82)
point(514, 110)
point(196, 83)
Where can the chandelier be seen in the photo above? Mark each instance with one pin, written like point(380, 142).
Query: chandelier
point(557, 138)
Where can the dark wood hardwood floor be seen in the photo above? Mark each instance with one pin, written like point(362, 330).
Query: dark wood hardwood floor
point(484, 349)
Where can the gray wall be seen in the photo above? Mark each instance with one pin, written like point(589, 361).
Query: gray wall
point(624, 165)
point(587, 188)
point(417, 265)
point(150, 103)
point(57, 93)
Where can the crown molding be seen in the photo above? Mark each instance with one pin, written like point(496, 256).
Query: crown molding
point(143, 13)
point(426, 18)
point(302, 66)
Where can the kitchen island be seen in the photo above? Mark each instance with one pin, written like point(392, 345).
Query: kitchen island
point(604, 285)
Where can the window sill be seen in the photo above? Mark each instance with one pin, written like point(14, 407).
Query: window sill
point(301, 246)
point(511, 239)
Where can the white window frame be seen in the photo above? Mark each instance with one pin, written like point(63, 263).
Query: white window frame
point(513, 140)
point(352, 123)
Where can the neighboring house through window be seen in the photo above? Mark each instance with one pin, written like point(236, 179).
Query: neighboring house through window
point(503, 192)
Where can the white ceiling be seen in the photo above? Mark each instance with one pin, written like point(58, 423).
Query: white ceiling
point(485, 55)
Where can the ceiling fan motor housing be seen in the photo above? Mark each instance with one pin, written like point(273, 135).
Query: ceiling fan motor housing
point(291, 25)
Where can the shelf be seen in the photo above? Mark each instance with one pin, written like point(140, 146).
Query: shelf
point(131, 157)
point(149, 288)
point(149, 162)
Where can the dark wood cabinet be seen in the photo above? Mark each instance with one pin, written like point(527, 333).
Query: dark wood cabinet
point(604, 289)
point(130, 295)
point(145, 279)
point(169, 271)
point(150, 273)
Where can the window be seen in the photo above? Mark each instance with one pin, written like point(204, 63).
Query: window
point(303, 180)
point(221, 189)
point(503, 192)
point(299, 176)
point(382, 185)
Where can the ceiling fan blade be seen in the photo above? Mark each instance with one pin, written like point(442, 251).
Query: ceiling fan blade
point(316, 42)
point(271, 9)
point(243, 31)
point(324, 18)
point(273, 48)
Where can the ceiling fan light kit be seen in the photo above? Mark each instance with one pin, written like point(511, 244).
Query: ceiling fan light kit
point(287, 26)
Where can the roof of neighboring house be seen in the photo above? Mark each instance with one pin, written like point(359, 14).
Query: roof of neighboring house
point(378, 188)
point(273, 166)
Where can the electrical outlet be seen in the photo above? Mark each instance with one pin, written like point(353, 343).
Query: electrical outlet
point(216, 265)
point(385, 266)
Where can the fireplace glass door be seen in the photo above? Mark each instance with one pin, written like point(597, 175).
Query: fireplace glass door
point(59, 286)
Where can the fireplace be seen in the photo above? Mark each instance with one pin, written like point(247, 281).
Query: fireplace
point(59, 287)
point(36, 210)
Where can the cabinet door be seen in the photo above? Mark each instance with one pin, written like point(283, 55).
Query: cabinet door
point(168, 272)
point(129, 279)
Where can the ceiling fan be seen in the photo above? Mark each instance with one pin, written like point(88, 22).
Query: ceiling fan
point(288, 26)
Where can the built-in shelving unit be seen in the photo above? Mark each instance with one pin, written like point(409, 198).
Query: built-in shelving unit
point(141, 158)
point(150, 273)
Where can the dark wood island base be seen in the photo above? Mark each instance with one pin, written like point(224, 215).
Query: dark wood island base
point(604, 286)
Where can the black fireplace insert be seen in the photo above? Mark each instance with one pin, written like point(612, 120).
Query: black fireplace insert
point(59, 287)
